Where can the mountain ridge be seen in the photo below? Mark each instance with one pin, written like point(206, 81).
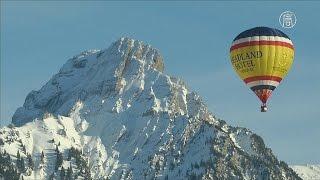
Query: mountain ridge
point(130, 120)
point(308, 171)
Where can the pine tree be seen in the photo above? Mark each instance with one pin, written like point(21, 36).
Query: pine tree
point(59, 160)
point(51, 177)
point(1, 142)
point(24, 149)
point(30, 162)
point(42, 157)
point(69, 172)
point(87, 174)
point(18, 155)
point(62, 173)
point(166, 177)
point(10, 172)
point(69, 154)
point(22, 165)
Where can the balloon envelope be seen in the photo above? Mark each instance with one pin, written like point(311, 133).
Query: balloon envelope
point(262, 57)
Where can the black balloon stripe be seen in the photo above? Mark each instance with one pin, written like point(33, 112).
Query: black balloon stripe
point(261, 31)
point(259, 87)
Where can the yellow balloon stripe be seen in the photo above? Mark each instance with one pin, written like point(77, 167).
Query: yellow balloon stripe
point(262, 60)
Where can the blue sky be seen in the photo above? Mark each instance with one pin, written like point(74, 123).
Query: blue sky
point(194, 38)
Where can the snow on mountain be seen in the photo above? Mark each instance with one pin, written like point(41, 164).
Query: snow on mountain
point(114, 114)
point(44, 136)
point(307, 172)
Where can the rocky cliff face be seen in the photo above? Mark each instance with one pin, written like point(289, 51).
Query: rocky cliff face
point(114, 114)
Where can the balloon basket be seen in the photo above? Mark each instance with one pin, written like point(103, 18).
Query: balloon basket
point(264, 108)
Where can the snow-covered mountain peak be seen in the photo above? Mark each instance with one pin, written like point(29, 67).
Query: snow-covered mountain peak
point(121, 67)
point(121, 117)
point(134, 50)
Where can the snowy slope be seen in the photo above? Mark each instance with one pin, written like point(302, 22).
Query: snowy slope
point(43, 136)
point(132, 121)
point(307, 172)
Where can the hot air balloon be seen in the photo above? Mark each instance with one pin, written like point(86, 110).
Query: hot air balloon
point(262, 57)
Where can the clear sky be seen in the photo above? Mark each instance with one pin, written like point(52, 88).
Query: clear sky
point(194, 38)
